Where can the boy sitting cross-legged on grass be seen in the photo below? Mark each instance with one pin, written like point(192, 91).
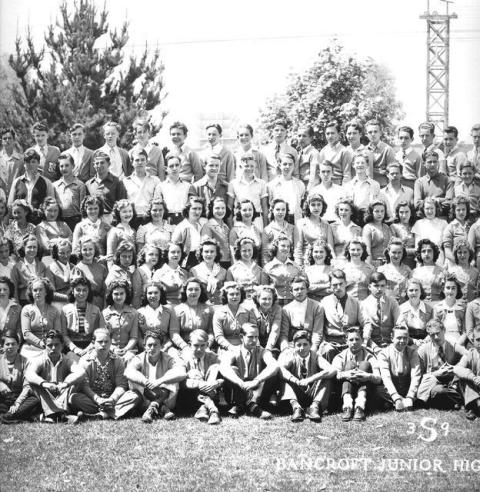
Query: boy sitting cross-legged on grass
point(357, 369)
point(202, 380)
point(155, 375)
point(307, 378)
point(468, 370)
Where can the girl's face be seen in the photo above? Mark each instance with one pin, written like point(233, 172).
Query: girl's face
point(461, 212)
point(151, 256)
point(404, 214)
point(126, 214)
point(88, 251)
point(19, 214)
point(396, 253)
point(426, 254)
point(233, 295)
point(193, 291)
point(64, 252)
point(279, 211)
point(355, 251)
point(463, 254)
point(413, 291)
point(283, 247)
point(31, 249)
point(4, 292)
point(246, 251)
point(51, 212)
point(246, 211)
point(429, 210)
point(157, 212)
point(174, 253)
point(265, 300)
point(319, 254)
point(93, 211)
point(80, 293)
point(195, 212)
point(378, 213)
point(153, 295)
point(219, 209)
point(38, 291)
point(209, 252)
point(344, 211)
point(126, 259)
point(316, 208)
point(119, 295)
point(3, 209)
point(4, 252)
point(450, 289)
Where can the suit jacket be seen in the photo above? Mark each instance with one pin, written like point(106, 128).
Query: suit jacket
point(290, 364)
point(86, 170)
point(155, 161)
point(337, 319)
point(313, 323)
point(49, 169)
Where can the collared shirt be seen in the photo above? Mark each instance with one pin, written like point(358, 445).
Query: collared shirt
point(175, 195)
point(474, 156)
point(116, 163)
point(70, 196)
point(122, 326)
point(77, 154)
point(308, 165)
point(412, 163)
point(282, 274)
point(291, 190)
point(382, 156)
point(191, 169)
point(298, 312)
point(471, 192)
point(393, 197)
point(272, 152)
point(110, 189)
point(432, 186)
point(155, 161)
point(253, 190)
point(208, 192)
point(331, 196)
point(141, 191)
point(339, 156)
point(453, 160)
point(380, 317)
point(362, 192)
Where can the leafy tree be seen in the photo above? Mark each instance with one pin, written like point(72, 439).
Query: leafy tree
point(338, 86)
point(75, 78)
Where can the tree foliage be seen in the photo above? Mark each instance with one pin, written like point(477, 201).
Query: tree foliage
point(83, 75)
point(337, 87)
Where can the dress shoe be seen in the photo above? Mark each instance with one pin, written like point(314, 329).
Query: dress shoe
point(347, 414)
point(359, 415)
point(470, 414)
point(150, 414)
point(202, 414)
point(314, 414)
point(214, 419)
point(297, 415)
point(264, 415)
point(168, 414)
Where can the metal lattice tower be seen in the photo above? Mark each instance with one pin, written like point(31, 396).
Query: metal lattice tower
point(438, 52)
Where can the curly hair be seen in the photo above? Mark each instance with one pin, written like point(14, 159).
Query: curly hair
point(395, 241)
point(203, 291)
point(88, 239)
point(167, 249)
point(426, 242)
point(119, 284)
point(58, 243)
point(421, 208)
point(25, 240)
point(355, 213)
point(232, 285)
point(4, 241)
point(238, 246)
point(272, 206)
point(141, 255)
point(160, 287)
point(89, 201)
point(80, 280)
point(188, 206)
point(238, 210)
point(363, 246)
point(461, 243)
point(274, 246)
point(9, 283)
point(371, 206)
point(459, 200)
point(264, 288)
point(208, 241)
point(20, 202)
point(46, 284)
point(156, 201)
point(328, 252)
point(121, 205)
point(211, 204)
point(413, 215)
point(314, 198)
point(45, 204)
point(125, 246)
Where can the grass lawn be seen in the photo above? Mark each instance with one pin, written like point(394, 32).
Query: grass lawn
point(244, 454)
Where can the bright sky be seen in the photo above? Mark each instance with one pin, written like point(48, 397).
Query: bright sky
point(226, 56)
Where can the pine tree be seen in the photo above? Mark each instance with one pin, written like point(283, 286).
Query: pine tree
point(83, 75)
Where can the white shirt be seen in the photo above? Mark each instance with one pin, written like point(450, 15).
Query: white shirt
point(116, 167)
point(298, 312)
point(141, 191)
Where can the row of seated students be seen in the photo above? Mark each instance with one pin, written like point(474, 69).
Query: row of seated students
point(92, 364)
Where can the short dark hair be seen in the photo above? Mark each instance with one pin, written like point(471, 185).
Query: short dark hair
point(65, 156)
point(426, 242)
point(40, 127)
point(53, 334)
point(9, 334)
point(334, 124)
point(301, 335)
point(80, 280)
point(160, 287)
point(451, 129)
point(90, 200)
point(211, 204)
point(230, 285)
point(317, 198)
point(119, 284)
point(338, 274)
point(247, 127)
point(203, 291)
point(377, 277)
point(31, 155)
point(216, 126)
point(124, 246)
point(451, 277)
point(426, 125)
point(406, 129)
point(325, 246)
point(359, 241)
point(179, 126)
point(76, 126)
point(300, 279)
point(9, 283)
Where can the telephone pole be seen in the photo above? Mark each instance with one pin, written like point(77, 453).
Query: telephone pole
point(438, 59)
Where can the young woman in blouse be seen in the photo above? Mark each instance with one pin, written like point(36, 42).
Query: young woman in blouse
point(52, 227)
point(157, 230)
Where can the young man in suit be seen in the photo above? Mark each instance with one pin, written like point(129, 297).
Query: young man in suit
point(301, 314)
point(439, 387)
point(251, 371)
point(307, 376)
point(468, 370)
point(454, 157)
point(336, 153)
point(48, 153)
point(382, 153)
point(214, 146)
point(155, 376)
point(358, 372)
point(82, 156)
point(340, 311)
point(409, 158)
point(426, 133)
point(120, 164)
point(203, 381)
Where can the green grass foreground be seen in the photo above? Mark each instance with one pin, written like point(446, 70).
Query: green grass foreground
point(244, 454)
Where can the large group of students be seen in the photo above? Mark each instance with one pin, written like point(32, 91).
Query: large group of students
point(157, 281)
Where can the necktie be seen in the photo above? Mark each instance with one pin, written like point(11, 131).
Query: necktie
point(303, 368)
point(248, 357)
point(441, 354)
point(379, 313)
point(404, 155)
point(277, 151)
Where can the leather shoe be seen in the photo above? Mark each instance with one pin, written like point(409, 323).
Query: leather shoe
point(264, 415)
point(347, 414)
point(202, 414)
point(297, 415)
point(236, 411)
point(314, 414)
point(470, 414)
point(214, 419)
point(150, 414)
point(359, 415)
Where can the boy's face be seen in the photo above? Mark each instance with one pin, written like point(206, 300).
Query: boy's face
point(77, 137)
point(286, 167)
point(377, 289)
point(299, 291)
point(400, 339)
point(353, 136)
point(142, 134)
point(338, 287)
point(101, 166)
point(437, 335)
point(449, 140)
point(153, 347)
point(374, 133)
point(111, 135)
point(303, 138)
point(213, 136)
point(394, 174)
point(354, 342)
point(65, 167)
point(40, 137)
point(425, 136)
point(279, 133)
point(199, 348)
point(467, 174)
point(173, 167)
point(102, 343)
point(431, 165)
point(360, 166)
point(476, 138)
point(325, 174)
point(139, 163)
point(32, 166)
point(177, 136)
point(404, 139)
point(248, 167)
point(302, 347)
point(250, 338)
point(53, 346)
point(212, 167)
point(332, 135)
point(7, 140)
